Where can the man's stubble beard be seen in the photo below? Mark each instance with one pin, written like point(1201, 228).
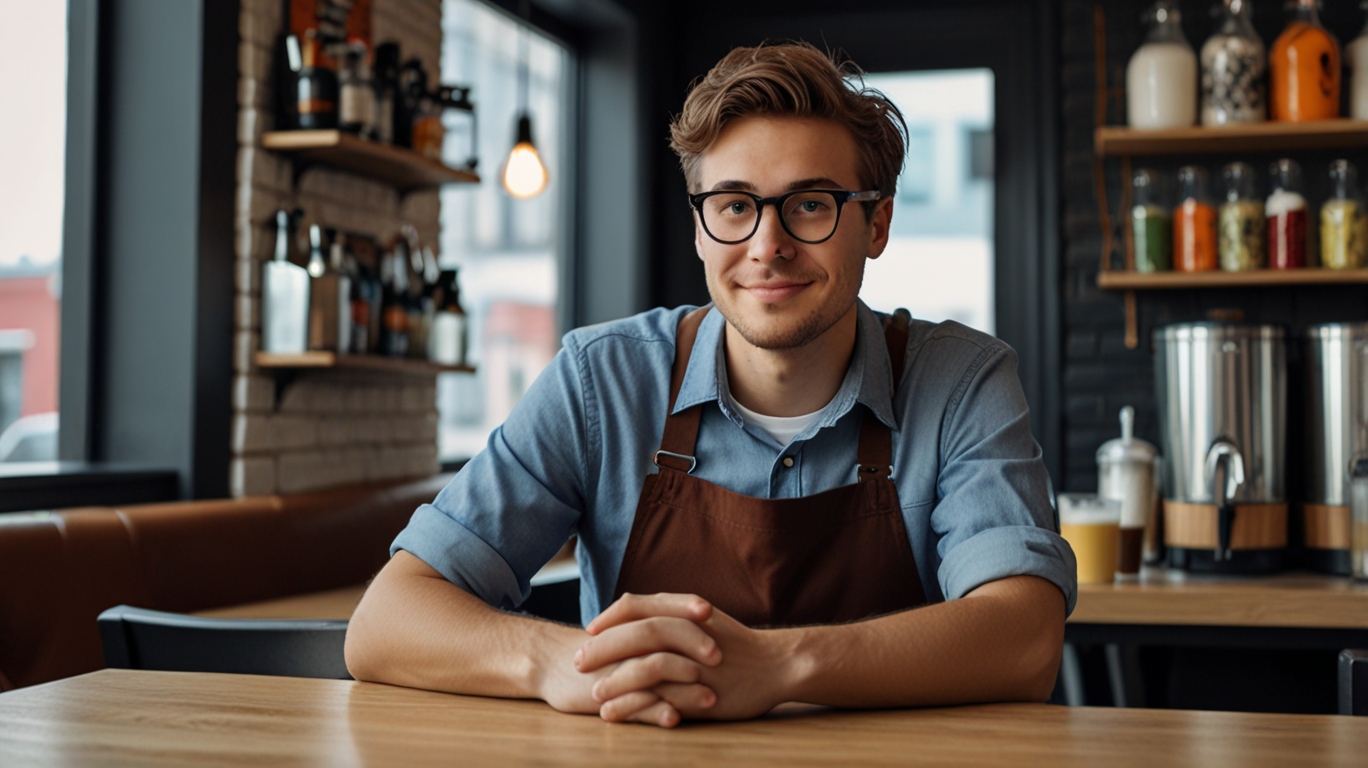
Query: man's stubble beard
point(808, 329)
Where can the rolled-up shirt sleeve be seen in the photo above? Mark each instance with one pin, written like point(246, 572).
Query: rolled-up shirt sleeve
point(508, 511)
point(993, 516)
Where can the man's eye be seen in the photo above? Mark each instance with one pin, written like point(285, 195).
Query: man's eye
point(811, 206)
point(737, 209)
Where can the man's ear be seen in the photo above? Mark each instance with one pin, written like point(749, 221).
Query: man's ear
point(879, 227)
point(698, 237)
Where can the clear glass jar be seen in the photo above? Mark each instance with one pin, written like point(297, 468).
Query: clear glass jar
point(1286, 212)
point(1234, 63)
point(1194, 223)
point(1151, 223)
point(1343, 223)
point(1161, 78)
point(1304, 68)
point(1356, 59)
point(1240, 222)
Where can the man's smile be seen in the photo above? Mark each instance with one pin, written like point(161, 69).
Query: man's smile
point(776, 291)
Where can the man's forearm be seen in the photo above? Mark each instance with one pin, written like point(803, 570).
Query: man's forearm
point(1001, 642)
point(414, 628)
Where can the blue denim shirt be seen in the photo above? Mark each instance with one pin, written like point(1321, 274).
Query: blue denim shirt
point(571, 458)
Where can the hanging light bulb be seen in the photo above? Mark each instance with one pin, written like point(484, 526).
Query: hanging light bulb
point(524, 173)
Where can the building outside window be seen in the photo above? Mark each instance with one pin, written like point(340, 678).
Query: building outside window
point(508, 251)
point(33, 51)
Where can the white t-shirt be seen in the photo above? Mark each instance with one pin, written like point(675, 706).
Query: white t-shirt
point(782, 428)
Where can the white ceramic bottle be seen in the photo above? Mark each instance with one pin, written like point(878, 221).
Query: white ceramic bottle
point(1161, 79)
point(1356, 57)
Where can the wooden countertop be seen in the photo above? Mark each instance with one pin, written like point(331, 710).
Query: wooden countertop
point(125, 717)
point(1163, 597)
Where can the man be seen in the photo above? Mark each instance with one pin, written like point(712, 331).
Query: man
point(763, 489)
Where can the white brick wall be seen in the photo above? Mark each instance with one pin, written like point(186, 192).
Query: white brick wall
point(328, 428)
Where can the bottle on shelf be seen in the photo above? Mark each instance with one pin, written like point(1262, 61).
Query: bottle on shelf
point(1240, 222)
point(1194, 223)
point(356, 110)
point(393, 309)
point(1304, 68)
point(1151, 223)
point(429, 135)
point(284, 296)
point(1356, 58)
point(1161, 78)
point(447, 340)
point(411, 85)
point(1234, 62)
point(385, 79)
point(360, 341)
point(315, 88)
point(458, 120)
point(1343, 222)
point(330, 310)
point(1287, 216)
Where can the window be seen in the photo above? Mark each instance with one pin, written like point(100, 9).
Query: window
point(33, 51)
point(508, 251)
point(939, 260)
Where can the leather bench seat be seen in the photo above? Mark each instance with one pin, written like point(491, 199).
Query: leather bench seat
point(59, 570)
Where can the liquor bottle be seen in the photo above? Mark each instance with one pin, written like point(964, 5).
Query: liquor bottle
point(447, 340)
point(385, 80)
point(315, 88)
point(394, 313)
point(356, 110)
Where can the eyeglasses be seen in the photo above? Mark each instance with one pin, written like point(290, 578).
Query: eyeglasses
point(808, 215)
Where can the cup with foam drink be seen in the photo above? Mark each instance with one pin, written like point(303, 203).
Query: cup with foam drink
point(1092, 526)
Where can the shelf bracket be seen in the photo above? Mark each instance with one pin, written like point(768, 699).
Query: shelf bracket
point(283, 378)
point(1132, 322)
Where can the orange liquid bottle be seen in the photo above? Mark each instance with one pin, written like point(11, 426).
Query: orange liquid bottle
point(1304, 69)
point(1194, 224)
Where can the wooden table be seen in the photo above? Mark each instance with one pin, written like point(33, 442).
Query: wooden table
point(121, 717)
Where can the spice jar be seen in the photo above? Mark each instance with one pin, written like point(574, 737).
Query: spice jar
point(1344, 226)
point(1194, 223)
point(1304, 68)
point(1161, 78)
point(1356, 58)
point(1233, 66)
point(1240, 222)
point(1286, 212)
point(1151, 224)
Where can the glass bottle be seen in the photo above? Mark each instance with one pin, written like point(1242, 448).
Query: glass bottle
point(1240, 222)
point(429, 135)
point(1161, 78)
point(1194, 223)
point(1356, 57)
point(1344, 225)
point(1305, 68)
point(1286, 213)
point(447, 341)
point(1233, 66)
point(385, 80)
point(315, 88)
point(356, 108)
point(1151, 224)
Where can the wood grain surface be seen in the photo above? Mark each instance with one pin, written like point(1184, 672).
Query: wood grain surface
point(332, 604)
point(1194, 526)
point(1172, 597)
point(1326, 526)
point(123, 717)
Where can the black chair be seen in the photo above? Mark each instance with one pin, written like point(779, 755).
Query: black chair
point(555, 597)
point(1353, 682)
point(136, 638)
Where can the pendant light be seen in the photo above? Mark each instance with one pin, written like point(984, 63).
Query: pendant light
point(524, 173)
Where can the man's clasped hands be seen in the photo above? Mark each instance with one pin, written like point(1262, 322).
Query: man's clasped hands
point(657, 659)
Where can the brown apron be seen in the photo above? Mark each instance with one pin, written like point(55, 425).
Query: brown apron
point(837, 556)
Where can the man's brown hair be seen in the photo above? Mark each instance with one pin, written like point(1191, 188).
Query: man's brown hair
point(792, 80)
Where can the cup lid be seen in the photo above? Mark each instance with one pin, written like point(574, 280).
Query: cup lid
point(1128, 448)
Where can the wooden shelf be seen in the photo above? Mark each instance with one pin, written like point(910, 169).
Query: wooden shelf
point(1256, 137)
point(355, 362)
point(404, 169)
point(1141, 281)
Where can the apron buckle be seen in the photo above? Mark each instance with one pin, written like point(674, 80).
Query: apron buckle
point(693, 462)
point(863, 471)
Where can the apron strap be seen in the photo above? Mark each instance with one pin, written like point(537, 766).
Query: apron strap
point(875, 455)
point(681, 429)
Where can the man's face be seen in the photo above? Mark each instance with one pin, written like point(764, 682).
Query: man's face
point(776, 291)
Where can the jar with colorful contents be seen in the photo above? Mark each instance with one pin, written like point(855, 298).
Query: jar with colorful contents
point(1151, 223)
point(1343, 223)
point(1194, 223)
point(1286, 213)
point(1234, 62)
point(1161, 78)
point(1304, 68)
point(1240, 222)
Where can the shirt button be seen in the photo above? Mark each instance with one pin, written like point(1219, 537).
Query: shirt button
point(788, 461)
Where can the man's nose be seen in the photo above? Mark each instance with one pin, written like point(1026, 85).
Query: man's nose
point(771, 241)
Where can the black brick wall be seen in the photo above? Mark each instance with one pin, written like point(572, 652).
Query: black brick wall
point(1100, 375)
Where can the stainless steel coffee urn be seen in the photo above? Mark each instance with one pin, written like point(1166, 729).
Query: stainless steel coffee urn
point(1222, 392)
point(1336, 435)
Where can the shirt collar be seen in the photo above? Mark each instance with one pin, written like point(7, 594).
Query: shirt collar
point(868, 380)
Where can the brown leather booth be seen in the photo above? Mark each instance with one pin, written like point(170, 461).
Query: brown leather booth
point(59, 570)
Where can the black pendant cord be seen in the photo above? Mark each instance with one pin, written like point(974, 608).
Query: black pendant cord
point(523, 53)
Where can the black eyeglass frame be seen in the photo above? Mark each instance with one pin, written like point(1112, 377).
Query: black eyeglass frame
point(842, 196)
